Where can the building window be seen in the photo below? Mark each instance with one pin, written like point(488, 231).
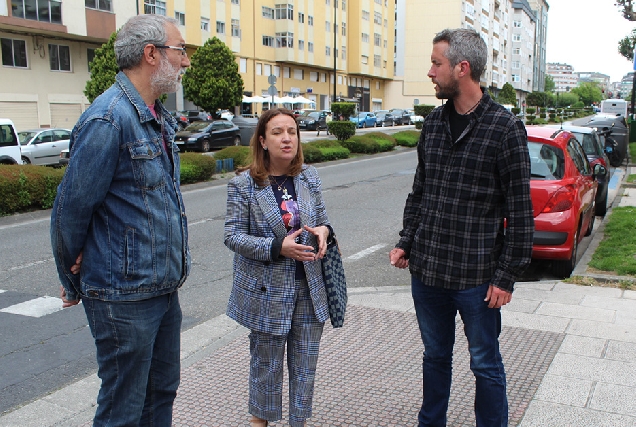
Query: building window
point(516, 37)
point(313, 76)
point(365, 15)
point(377, 18)
point(235, 1)
point(377, 39)
point(327, 2)
point(99, 4)
point(301, 17)
point(268, 41)
point(299, 74)
point(243, 65)
point(236, 28)
point(220, 27)
point(154, 7)
point(60, 57)
point(301, 45)
point(344, 28)
point(377, 61)
point(180, 16)
point(286, 71)
point(310, 20)
point(516, 78)
point(205, 24)
point(259, 69)
point(386, 43)
point(285, 39)
point(344, 4)
point(277, 70)
point(516, 51)
point(285, 11)
point(328, 50)
point(310, 47)
point(328, 26)
point(267, 12)
point(90, 55)
point(268, 70)
point(14, 53)
point(344, 52)
point(365, 38)
point(365, 59)
point(516, 24)
point(38, 10)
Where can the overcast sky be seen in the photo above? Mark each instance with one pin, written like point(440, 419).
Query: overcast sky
point(585, 35)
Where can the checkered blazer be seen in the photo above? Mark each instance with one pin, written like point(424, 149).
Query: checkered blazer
point(262, 296)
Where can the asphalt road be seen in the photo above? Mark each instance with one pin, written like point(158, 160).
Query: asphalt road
point(364, 196)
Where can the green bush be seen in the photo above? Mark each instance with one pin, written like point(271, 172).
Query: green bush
point(365, 145)
point(28, 187)
point(346, 109)
point(312, 154)
point(381, 136)
point(328, 149)
point(530, 111)
point(241, 155)
point(342, 130)
point(202, 166)
point(423, 109)
point(419, 125)
point(407, 138)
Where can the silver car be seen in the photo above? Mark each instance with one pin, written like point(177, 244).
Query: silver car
point(43, 146)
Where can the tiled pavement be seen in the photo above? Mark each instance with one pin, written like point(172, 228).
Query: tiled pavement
point(369, 374)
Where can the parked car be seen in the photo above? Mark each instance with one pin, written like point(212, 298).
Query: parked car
point(594, 148)
point(384, 118)
point(9, 145)
point(205, 134)
point(194, 116)
point(364, 119)
point(182, 119)
point(312, 120)
point(563, 187)
point(414, 118)
point(43, 146)
point(64, 156)
point(400, 116)
point(619, 131)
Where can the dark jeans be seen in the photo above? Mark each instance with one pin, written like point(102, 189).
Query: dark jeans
point(436, 309)
point(138, 346)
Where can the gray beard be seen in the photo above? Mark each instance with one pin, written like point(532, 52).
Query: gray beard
point(165, 80)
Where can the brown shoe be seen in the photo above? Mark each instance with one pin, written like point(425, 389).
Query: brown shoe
point(257, 422)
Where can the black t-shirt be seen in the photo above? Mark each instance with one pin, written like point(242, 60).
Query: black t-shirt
point(458, 123)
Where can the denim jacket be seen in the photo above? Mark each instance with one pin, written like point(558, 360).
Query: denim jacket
point(119, 203)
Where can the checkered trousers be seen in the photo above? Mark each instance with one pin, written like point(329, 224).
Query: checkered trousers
point(266, 365)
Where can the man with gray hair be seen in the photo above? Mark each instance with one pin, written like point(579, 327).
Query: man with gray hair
point(119, 229)
point(472, 180)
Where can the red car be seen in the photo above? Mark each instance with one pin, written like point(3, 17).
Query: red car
point(563, 187)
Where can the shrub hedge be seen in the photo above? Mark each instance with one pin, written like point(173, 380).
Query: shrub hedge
point(324, 150)
point(407, 138)
point(367, 145)
point(27, 187)
point(342, 130)
point(196, 167)
point(241, 155)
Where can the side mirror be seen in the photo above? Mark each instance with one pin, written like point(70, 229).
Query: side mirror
point(599, 170)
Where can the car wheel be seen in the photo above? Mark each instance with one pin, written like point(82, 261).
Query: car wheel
point(564, 268)
point(237, 141)
point(600, 209)
point(26, 160)
point(205, 145)
point(364, 125)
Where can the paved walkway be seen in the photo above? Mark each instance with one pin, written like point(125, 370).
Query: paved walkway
point(568, 350)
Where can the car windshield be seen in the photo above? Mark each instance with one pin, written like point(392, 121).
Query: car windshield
point(197, 126)
point(314, 115)
point(362, 115)
point(546, 161)
point(25, 137)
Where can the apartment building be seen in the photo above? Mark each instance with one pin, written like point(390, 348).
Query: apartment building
point(315, 48)
point(46, 48)
point(540, 8)
point(563, 75)
point(523, 47)
point(600, 79)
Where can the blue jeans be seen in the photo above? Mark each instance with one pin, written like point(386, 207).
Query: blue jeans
point(138, 346)
point(436, 309)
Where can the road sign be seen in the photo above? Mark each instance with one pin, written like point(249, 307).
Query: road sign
point(271, 79)
point(272, 91)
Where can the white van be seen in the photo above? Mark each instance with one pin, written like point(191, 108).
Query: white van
point(9, 145)
point(614, 106)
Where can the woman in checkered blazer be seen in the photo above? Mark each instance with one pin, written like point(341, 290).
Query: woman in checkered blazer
point(277, 225)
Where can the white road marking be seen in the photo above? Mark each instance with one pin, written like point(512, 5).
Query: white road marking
point(37, 307)
point(365, 252)
point(2, 290)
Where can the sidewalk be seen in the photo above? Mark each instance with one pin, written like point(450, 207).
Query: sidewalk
point(568, 350)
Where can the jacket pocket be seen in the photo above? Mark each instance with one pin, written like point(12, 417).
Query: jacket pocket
point(146, 164)
point(129, 254)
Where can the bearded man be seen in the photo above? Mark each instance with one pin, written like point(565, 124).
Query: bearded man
point(119, 229)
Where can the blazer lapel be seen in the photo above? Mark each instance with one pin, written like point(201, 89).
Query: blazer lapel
point(271, 211)
point(303, 199)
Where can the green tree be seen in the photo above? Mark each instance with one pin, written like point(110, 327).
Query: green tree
point(213, 81)
point(549, 83)
point(565, 99)
point(626, 46)
point(588, 93)
point(507, 95)
point(103, 69)
point(538, 99)
point(626, 8)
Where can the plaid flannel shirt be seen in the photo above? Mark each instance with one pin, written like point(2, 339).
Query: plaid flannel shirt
point(453, 225)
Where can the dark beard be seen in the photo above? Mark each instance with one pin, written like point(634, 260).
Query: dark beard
point(447, 92)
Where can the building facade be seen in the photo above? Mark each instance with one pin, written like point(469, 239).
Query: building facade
point(563, 75)
point(540, 8)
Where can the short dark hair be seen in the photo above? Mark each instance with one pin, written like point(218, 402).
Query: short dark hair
point(465, 45)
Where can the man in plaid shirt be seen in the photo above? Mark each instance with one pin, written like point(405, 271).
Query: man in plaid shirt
point(473, 172)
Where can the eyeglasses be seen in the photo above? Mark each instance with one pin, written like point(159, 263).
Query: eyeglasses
point(182, 49)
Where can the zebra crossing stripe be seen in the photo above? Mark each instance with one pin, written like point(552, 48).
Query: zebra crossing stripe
point(37, 307)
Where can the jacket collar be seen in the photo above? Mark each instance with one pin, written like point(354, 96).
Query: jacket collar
point(137, 101)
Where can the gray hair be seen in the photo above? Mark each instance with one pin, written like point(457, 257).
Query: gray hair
point(136, 33)
point(465, 45)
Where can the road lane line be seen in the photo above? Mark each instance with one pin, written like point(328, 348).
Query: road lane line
point(365, 252)
point(37, 307)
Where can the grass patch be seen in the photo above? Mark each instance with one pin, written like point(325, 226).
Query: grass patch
point(590, 281)
point(631, 178)
point(617, 251)
point(632, 151)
